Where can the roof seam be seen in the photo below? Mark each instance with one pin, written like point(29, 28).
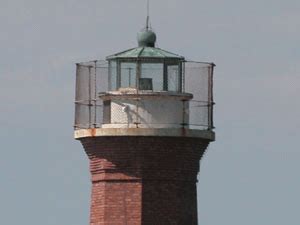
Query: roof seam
point(141, 52)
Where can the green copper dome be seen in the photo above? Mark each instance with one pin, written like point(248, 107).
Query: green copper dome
point(146, 48)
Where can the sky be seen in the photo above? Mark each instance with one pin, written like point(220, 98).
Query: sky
point(250, 175)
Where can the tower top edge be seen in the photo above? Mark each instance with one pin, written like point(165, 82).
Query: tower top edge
point(151, 132)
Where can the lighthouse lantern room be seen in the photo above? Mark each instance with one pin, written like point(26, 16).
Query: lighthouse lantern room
point(144, 87)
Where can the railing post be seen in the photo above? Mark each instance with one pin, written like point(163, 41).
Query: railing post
point(182, 72)
point(210, 96)
point(76, 96)
point(95, 96)
point(90, 98)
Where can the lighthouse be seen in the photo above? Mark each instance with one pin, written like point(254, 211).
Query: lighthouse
point(145, 118)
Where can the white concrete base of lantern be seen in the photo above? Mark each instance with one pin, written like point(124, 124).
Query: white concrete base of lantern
point(145, 109)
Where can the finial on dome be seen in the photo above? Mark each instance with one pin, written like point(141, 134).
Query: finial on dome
point(148, 15)
point(147, 38)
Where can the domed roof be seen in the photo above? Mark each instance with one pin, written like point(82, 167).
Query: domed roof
point(146, 49)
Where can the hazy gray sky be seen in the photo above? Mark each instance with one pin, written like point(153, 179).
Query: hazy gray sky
point(250, 175)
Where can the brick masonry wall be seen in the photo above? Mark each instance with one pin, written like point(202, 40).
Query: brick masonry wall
point(144, 180)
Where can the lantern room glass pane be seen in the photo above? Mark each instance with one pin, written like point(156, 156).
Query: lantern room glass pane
point(128, 75)
point(112, 75)
point(153, 74)
point(173, 78)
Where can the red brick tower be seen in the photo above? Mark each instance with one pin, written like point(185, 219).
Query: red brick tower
point(144, 118)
